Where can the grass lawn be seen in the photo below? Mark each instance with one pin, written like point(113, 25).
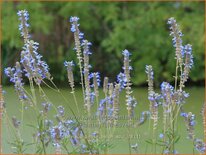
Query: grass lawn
point(194, 104)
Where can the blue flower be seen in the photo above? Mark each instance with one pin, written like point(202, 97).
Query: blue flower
point(126, 53)
point(192, 123)
point(177, 40)
point(73, 29)
point(34, 67)
point(187, 64)
point(122, 80)
point(102, 106)
point(97, 75)
point(10, 73)
point(180, 96)
point(132, 102)
point(86, 43)
point(23, 17)
point(184, 114)
point(15, 75)
point(74, 25)
point(200, 145)
point(167, 92)
point(68, 63)
point(81, 35)
point(74, 19)
point(92, 95)
point(161, 135)
point(188, 52)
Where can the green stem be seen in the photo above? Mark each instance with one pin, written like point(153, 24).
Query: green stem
point(33, 91)
point(75, 100)
point(129, 140)
point(176, 75)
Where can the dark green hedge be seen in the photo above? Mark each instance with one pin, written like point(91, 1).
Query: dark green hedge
point(141, 27)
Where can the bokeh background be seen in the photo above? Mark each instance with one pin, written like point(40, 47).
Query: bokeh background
point(140, 27)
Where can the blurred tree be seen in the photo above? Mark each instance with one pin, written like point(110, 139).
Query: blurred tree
point(141, 27)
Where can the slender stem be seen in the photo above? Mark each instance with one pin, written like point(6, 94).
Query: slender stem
point(75, 100)
point(176, 75)
point(154, 137)
point(56, 89)
point(149, 128)
point(45, 97)
point(33, 91)
point(106, 123)
point(22, 114)
point(129, 138)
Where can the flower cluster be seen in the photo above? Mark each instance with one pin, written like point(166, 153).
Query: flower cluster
point(167, 93)
point(130, 101)
point(122, 80)
point(131, 104)
point(200, 145)
point(96, 83)
point(75, 25)
point(77, 37)
point(46, 107)
point(154, 98)
point(180, 96)
point(86, 52)
point(102, 107)
point(109, 100)
point(177, 40)
point(62, 130)
point(150, 77)
point(69, 65)
point(15, 75)
point(86, 45)
point(34, 67)
point(74, 20)
point(187, 64)
point(171, 96)
point(190, 123)
point(115, 109)
point(23, 26)
point(126, 66)
point(96, 76)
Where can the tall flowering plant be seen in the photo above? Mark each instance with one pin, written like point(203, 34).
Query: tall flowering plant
point(172, 99)
point(74, 136)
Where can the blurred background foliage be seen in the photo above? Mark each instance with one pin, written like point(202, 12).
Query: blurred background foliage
point(140, 27)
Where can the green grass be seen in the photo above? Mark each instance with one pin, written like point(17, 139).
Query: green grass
point(194, 104)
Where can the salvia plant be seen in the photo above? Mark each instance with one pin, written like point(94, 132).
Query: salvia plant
point(72, 136)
